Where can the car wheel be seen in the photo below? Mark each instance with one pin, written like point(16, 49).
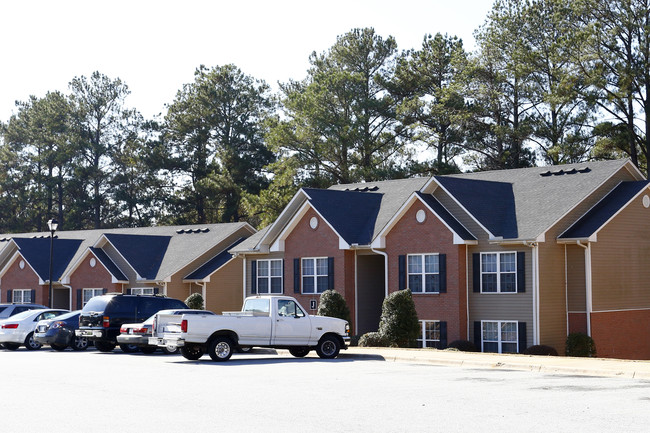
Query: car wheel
point(299, 352)
point(167, 350)
point(104, 346)
point(79, 343)
point(30, 343)
point(220, 349)
point(11, 346)
point(148, 350)
point(328, 347)
point(192, 352)
point(129, 348)
point(57, 347)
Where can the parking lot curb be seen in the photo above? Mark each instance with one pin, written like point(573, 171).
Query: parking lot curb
point(603, 367)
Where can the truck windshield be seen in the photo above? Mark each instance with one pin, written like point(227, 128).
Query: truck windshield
point(257, 306)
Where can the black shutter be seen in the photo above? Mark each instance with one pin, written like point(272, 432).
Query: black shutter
point(477, 335)
point(104, 291)
point(521, 272)
point(330, 273)
point(9, 298)
point(128, 291)
point(401, 260)
point(34, 297)
point(254, 277)
point(79, 298)
point(523, 345)
point(443, 335)
point(296, 275)
point(476, 272)
point(442, 275)
point(156, 290)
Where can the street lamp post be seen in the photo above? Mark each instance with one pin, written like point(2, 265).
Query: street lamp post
point(53, 225)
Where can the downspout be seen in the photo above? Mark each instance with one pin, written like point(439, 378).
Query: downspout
point(204, 293)
point(588, 288)
point(356, 294)
point(566, 288)
point(535, 281)
point(70, 295)
point(385, 269)
point(244, 279)
point(467, 286)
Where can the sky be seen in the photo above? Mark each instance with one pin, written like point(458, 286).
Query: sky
point(155, 46)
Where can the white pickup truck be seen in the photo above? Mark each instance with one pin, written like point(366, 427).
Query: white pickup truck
point(264, 321)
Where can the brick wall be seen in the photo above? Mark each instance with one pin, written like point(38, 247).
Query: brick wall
point(431, 236)
point(91, 277)
point(25, 278)
point(621, 334)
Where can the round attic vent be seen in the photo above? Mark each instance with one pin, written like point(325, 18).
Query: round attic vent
point(22, 264)
point(313, 223)
point(420, 216)
point(646, 201)
point(93, 262)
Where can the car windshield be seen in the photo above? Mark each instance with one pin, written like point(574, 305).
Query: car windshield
point(25, 314)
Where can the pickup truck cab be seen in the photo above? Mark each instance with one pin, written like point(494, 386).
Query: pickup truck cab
point(264, 321)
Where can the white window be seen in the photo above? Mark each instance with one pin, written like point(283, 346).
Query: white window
point(429, 333)
point(269, 276)
point(500, 337)
point(90, 293)
point(142, 291)
point(423, 273)
point(499, 272)
point(314, 275)
point(22, 296)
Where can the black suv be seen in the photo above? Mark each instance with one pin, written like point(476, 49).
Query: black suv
point(102, 317)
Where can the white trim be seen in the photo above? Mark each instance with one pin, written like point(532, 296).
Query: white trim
point(299, 193)
point(566, 289)
point(535, 288)
point(423, 273)
point(621, 310)
point(499, 341)
point(422, 338)
point(594, 235)
point(589, 287)
point(467, 287)
point(269, 276)
point(380, 239)
point(13, 259)
point(356, 293)
point(498, 272)
point(315, 276)
point(65, 278)
point(103, 236)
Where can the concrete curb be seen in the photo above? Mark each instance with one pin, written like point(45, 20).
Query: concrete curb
point(541, 364)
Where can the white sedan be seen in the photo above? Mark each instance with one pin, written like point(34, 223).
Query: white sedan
point(18, 329)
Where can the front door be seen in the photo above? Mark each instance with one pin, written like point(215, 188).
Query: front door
point(292, 326)
point(61, 298)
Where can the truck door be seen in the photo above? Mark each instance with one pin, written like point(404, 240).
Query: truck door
point(292, 326)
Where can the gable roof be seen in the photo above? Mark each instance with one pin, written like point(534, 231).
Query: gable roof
point(108, 264)
point(352, 214)
point(447, 217)
point(213, 264)
point(604, 210)
point(143, 252)
point(36, 251)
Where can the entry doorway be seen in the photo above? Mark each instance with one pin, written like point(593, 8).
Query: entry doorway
point(370, 292)
point(61, 298)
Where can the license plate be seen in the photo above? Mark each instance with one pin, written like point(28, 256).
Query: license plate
point(42, 328)
point(130, 331)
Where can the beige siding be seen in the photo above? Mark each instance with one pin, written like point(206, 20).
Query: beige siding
point(223, 292)
point(621, 261)
point(502, 306)
point(575, 258)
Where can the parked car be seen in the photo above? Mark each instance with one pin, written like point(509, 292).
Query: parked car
point(58, 332)
point(18, 329)
point(8, 310)
point(103, 316)
point(137, 334)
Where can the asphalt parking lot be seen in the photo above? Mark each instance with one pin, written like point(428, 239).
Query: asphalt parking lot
point(263, 391)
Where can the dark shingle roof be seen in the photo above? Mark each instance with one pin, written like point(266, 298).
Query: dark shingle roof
point(352, 214)
point(594, 219)
point(37, 253)
point(213, 264)
point(448, 218)
point(108, 264)
point(144, 253)
point(491, 203)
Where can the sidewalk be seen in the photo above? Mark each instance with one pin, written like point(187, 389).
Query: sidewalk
point(543, 364)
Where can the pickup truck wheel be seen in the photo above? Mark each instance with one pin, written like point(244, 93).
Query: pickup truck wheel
point(79, 343)
point(220, 349)
point(103, 346)
point(170, 350)
point(191, 352)
point(299, 352)
point(328, 347)
point(30, 343)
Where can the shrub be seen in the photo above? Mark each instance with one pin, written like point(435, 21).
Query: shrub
point(332, 304)
point(372, 339)
point(399, 324)
point(463, 346)
point(582, 345)
point(195, 301)
point(540, 350)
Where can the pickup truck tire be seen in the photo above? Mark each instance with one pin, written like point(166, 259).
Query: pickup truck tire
point(299, 352)
point(103, 346)
point(30, 343)
point(220, 349)
point(191, 352)
point(328, 347)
